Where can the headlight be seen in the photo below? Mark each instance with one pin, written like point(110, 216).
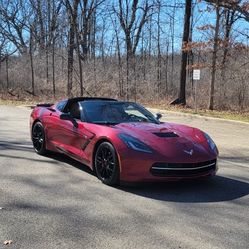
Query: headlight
point(134, 143)
point(210, 141)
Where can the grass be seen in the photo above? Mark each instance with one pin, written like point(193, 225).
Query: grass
point(15, 102)
point(230, 115)
point(24, 101)
point(222, 114)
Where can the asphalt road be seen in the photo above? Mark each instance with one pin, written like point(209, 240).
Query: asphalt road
point(55, 202)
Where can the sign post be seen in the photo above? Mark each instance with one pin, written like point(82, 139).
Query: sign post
point(196, 77)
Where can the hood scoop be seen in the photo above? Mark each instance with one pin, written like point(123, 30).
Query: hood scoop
point(165, 134)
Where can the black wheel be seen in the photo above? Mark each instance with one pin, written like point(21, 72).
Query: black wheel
point(38, 138)
point(106, 164)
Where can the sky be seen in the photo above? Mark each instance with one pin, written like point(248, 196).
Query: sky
point(201, 17)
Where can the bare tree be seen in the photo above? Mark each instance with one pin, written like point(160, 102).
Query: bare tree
point(72, 16)
point(241, 6)
point(2, 52)
point(132, 24)
point(214, 56)
point(13, 23)
point(86, 25)
point(229, 20)
point(186, 35)
point(119, 56)
point(159, 56)
point(172, 30)
point(125, 48)
point(39, 27)
point(31, 61)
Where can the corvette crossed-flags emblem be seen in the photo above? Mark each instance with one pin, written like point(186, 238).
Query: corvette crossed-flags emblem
point(190, 152)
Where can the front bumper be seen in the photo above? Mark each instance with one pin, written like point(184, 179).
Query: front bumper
point(153, 168)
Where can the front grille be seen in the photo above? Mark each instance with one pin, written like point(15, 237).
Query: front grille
point(165, 134)
point(182, 169)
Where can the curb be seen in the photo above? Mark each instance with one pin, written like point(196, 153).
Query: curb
point(196, 116)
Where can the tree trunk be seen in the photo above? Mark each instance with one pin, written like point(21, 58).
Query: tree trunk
point(0, 68)
point(214, 59)
point(70, 60)
point(166, 62)
point(47, 69)
point(7, 72)
point(172, 24)
point(127, 76)
point(120, 68)
point(41, 24)
point(229, 22)
point(134, 64)
point(79, 59)
point(53, 68)
point(159, 64)
point(31, 61)
point(185, 40)
point(32, 67)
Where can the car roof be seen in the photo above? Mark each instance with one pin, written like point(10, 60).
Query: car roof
point(70, 101)
point(77, 99)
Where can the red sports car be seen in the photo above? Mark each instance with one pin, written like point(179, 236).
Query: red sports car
point(122, 141)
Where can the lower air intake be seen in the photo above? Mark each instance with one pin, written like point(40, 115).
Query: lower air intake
point(182, 169)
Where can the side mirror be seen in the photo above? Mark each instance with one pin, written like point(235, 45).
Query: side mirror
point(67, 116)
point(158, 116)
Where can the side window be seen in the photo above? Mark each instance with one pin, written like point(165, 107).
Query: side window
point(60, 106)
point(74, 110)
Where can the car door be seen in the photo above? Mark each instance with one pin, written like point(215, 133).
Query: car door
point(53, 127)
point(70, 139)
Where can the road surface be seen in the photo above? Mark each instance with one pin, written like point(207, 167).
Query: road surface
point(55, 202)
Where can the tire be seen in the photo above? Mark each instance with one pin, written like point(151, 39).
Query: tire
point(106, 164)
point(38, 138)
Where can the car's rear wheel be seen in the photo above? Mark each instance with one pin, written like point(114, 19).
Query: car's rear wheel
point(38, 138)
point(106, 164)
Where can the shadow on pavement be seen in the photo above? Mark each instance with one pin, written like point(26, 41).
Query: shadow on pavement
point(216, 189)
point(237, 159)
point(12, 145)
point(65, 159)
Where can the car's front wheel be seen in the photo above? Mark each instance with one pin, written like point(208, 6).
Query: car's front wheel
point(38, 138)
point(106, 164)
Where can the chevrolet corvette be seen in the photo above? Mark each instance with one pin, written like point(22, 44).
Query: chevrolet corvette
point(122, 141)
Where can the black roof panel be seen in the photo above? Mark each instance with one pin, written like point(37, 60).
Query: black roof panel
point(76, 99)
point(70, 101)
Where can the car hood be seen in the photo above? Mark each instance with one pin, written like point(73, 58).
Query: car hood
point(171, 140)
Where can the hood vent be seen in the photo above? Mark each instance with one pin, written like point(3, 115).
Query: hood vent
point(165, 134)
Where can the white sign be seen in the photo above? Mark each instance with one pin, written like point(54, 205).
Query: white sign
point(196, 74)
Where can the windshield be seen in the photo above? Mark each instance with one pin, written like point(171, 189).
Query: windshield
point(113, 112)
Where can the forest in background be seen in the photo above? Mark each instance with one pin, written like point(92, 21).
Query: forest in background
point(138, 50)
